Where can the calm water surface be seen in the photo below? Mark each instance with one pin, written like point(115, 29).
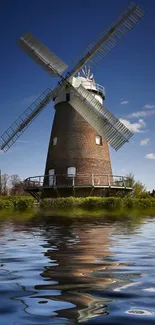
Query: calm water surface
point(99, 272)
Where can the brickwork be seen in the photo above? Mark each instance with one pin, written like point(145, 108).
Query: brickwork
point(76, 145)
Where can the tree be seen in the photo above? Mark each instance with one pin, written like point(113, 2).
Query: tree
point(139, 189)
point(5, 183)
point(17, 186)
point(11, 185)
point(14, 179)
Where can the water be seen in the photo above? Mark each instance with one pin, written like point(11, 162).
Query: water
point(78, 272)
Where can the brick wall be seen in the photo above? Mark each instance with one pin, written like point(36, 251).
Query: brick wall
point(76, 145)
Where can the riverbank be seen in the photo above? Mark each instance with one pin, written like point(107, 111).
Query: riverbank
point(94, 203)
point(16, 202)
point(88, 203)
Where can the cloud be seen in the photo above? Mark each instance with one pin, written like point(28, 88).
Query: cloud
point(123, 102)
point(149, 106)
point(141, 114)
point(150, 156)
point(134, 127)
point(144, 142)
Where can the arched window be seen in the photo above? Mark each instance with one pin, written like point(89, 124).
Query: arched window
point(51, 176)
point(55, 141)
point(98, 140)
point(71, 171)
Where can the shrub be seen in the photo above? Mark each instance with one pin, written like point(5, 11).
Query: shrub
point(23, 204)
point(92, 203)
point(112, 203)
point(109, 203)
point(17, 202)
point(6, 204)
point(65, 202)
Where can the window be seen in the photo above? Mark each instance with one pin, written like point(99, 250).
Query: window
point(67, 97)
point(55, 141)
point(51, 177)
point(71, 171)
point(98, 140)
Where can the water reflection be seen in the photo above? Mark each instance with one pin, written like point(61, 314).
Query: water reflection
point(58, 273)
point(78, 254)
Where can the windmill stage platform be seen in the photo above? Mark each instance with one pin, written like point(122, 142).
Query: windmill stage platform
point(80, 185)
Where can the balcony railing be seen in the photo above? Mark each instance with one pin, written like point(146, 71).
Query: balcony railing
point(88, 84)
point(78, 180)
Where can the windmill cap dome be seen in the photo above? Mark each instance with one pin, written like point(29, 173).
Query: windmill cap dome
point(89, 84)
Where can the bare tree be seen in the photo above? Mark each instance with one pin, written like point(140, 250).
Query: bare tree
point(14, 179)
point(5, 184)
point(17, 186)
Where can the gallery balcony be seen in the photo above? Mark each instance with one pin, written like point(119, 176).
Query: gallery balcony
point(76, 185)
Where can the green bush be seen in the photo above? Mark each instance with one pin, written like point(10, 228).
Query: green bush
point(109, 203)
point(23, 204)
point(60, 202)
point(90, 203)
point(16, 202)
point(139, 203)
point(6, 204)
point(112, 203)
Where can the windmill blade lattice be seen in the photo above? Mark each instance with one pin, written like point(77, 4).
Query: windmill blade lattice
point(108, 39)
point(8, 138)
point(42, 55)
point(103, 121)
point(100, 118)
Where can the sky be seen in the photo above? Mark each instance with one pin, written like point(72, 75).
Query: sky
point(127, 73)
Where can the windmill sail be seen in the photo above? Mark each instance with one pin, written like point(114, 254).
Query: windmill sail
point(109, 37)
point(104, 122)
point(41, 54)
point(84, 103)
point(8, 138)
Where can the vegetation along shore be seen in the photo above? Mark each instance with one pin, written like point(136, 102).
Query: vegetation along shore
point(92, 203)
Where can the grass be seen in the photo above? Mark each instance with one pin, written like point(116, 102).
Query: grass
point(94, 203)
point(71, 207)
point(22, 209)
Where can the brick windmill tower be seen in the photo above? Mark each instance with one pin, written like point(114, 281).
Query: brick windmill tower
point(76, 149)
point(78, 161)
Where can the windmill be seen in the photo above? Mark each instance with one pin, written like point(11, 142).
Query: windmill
point(78, 154)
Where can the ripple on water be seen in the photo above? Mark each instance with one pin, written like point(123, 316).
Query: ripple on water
point(80, 273)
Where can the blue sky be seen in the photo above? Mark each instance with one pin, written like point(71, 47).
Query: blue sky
point(128, 74)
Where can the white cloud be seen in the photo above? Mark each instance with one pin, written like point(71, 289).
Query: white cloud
point(144, 142)
point(150, 156)
point(134, 127)
point(123, 102)
point(141, 114)
point(149, 106)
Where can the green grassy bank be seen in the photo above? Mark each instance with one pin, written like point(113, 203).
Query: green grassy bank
point(89, 203)
point(94, 203)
